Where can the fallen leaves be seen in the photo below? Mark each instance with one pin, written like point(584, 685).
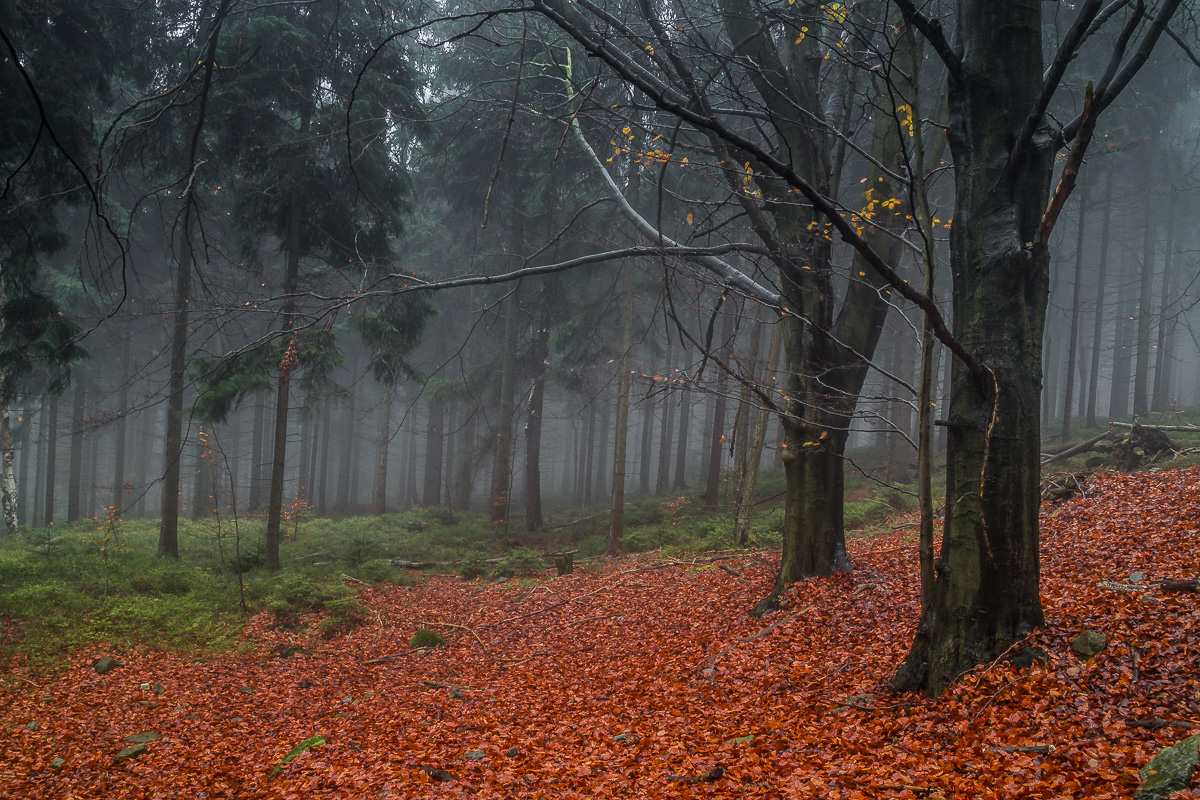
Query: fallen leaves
point(616, 683)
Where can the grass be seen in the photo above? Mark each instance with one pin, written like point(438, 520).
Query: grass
point(101, 580)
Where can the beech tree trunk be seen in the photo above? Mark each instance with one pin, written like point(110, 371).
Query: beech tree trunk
point(663, 479)
point(431, 493)
point(1166, 321)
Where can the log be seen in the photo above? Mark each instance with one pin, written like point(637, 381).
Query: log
point(1179, 585)
point(1163, 428)
point(1074, 450)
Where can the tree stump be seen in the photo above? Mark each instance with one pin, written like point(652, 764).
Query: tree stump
point(1142, 444)
point(564, 563)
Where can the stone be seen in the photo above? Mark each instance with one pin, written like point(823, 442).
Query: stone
point(158, 688)
point(1089, 643)
point(55, 763)
point(456, 693)
point(476, 755)
point(1170, 771)
point(132, 751)
point(246, 689)
point(1136, 576)
point(148, 736)
point(105, 664)
point(33, 726)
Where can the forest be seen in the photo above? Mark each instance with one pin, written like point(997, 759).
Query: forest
point(782, 359)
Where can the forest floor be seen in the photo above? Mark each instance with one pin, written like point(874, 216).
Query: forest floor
point(647, 678)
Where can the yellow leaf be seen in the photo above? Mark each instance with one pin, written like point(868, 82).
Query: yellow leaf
point(689, 218)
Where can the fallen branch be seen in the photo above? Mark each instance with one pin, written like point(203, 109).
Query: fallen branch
point(714, 659)
point(1037, 749)
point(436, 685)
point(593, 619)
point(1179, 585)
point(394, 656)
point(1164, 428)
point(1154, 723)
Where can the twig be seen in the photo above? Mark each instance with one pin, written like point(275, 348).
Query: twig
point(1039, 749)
point(436, 685)
point(394, 656)
point(752, 637)
point(1154, 723)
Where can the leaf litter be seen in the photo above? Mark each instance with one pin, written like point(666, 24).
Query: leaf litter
point(649, 679)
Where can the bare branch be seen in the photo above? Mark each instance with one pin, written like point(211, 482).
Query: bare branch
point(931, 29)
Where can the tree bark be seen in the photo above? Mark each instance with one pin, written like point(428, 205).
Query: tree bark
point(431, 493)
point(1076, 291)
point(279, 451)
point(986, 587)
point(533, 430)
point(346, 457)
point(75, 474)
point(1145, 309)
point(498, 497)
point(758, 437)
point(8, 478)
point(1098, 321)
point(51, 459)
point(716, 449)
point(663, 479)
point(616, 519)
point(1162, 352)
point(379, 497)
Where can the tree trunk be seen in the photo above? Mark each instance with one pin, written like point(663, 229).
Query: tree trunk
point(758, 438)
point(51, 459)
point(616, 519)
point(8, 478)
point(379, 498)
point(986, 587)
point(119, 432)
point(75, 476)
point(498, 497)
point(464, 476)
point(589, 452)
point(681, 444)
point(716, 449)
point(663, 479)
point(257, 437)
point(1098, 322)
point(1122, 360)
point(533, 430)
point(646, 456)
point(1162, 360)
point(1076, 291)
point(1145, 308)
point(279, 451)
point(346, 457)
point(431, 493)
point(326, 423)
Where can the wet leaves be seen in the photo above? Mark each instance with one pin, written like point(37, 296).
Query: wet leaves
point(617, 682)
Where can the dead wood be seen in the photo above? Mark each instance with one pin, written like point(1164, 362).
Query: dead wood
point(1074, 450)
point(1155, 723)
point(1037, 749)
point(1179, 585)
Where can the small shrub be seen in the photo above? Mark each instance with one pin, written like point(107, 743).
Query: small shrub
point(378, 571)
point(442, 515)
point(522, 560)
point(425, 638)
point(362, 549)
point(472, 567)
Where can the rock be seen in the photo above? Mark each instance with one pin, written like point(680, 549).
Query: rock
point(129, 752)
point(476, 755)
point(55, 763)
point(456, 693)
point(148, 736)
point(1136, 577)
point(158, 688)
point(512, 752)
point(1170, 771)
point(105, 664)
point(425, 638)
point(33, 726)
point(1089, 643)
point(246, 689)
